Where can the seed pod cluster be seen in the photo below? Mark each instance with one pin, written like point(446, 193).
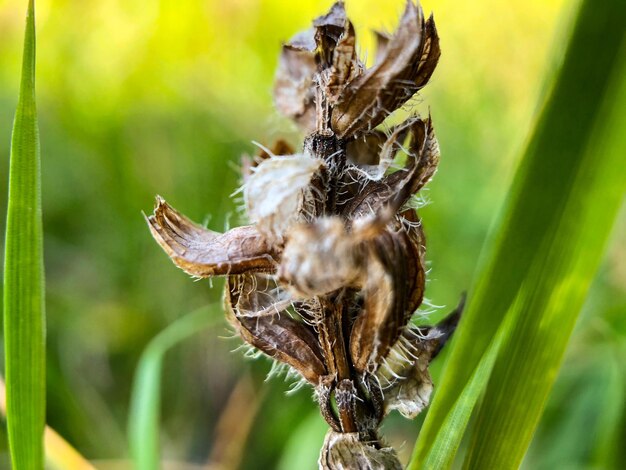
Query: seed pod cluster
point(331, 270)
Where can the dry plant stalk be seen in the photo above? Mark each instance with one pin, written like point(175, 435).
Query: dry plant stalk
point(331, 270)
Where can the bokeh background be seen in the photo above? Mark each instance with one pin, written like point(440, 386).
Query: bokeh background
point(145, 97)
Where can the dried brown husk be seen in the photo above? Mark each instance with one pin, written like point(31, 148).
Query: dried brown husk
point(329, 29)
point(345, 65)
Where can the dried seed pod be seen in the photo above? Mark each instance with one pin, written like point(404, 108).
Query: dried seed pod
point(385, 311)
point(329, 274)
point(345, 451)
point(345, 65)
point(329, 29)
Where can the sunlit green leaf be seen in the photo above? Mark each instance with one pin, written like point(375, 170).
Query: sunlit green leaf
point(544, 253)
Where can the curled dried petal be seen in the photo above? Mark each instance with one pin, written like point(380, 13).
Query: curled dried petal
point(346, 451)
point(382, 147)
point(257, 295)
point(425, 147)
point(407, 63)
point(416, 260)
point(394, 289)
point(203, 253)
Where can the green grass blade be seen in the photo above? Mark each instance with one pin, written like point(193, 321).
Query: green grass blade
point(143, 424)
point(450, 434)
point(532, 354)
point(551, 234)
point(24, 317)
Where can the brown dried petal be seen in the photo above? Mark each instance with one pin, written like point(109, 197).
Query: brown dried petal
point(258, 294)
point(294, 91)
point(408, 63)
point(203, 253)
point(431, 52)
point(432, 339)
point(385, 151)
point(343, 451)
point(278, 335)
point(425, 147)
point(416, 261)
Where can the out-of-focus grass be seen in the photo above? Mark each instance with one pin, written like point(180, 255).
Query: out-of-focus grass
point(143, 423)
point(146, 97)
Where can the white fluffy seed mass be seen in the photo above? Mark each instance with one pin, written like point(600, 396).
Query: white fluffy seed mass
point(277, 192)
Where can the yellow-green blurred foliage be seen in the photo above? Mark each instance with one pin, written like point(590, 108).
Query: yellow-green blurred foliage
point(139, 97)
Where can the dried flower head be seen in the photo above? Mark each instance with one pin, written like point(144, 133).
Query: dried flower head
point(331, 270)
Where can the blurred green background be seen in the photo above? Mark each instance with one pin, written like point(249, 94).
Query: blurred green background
point(145, 97)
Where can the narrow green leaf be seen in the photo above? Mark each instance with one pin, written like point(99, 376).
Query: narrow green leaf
point(24, 317)
point(143, 424)
point(544, 251)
